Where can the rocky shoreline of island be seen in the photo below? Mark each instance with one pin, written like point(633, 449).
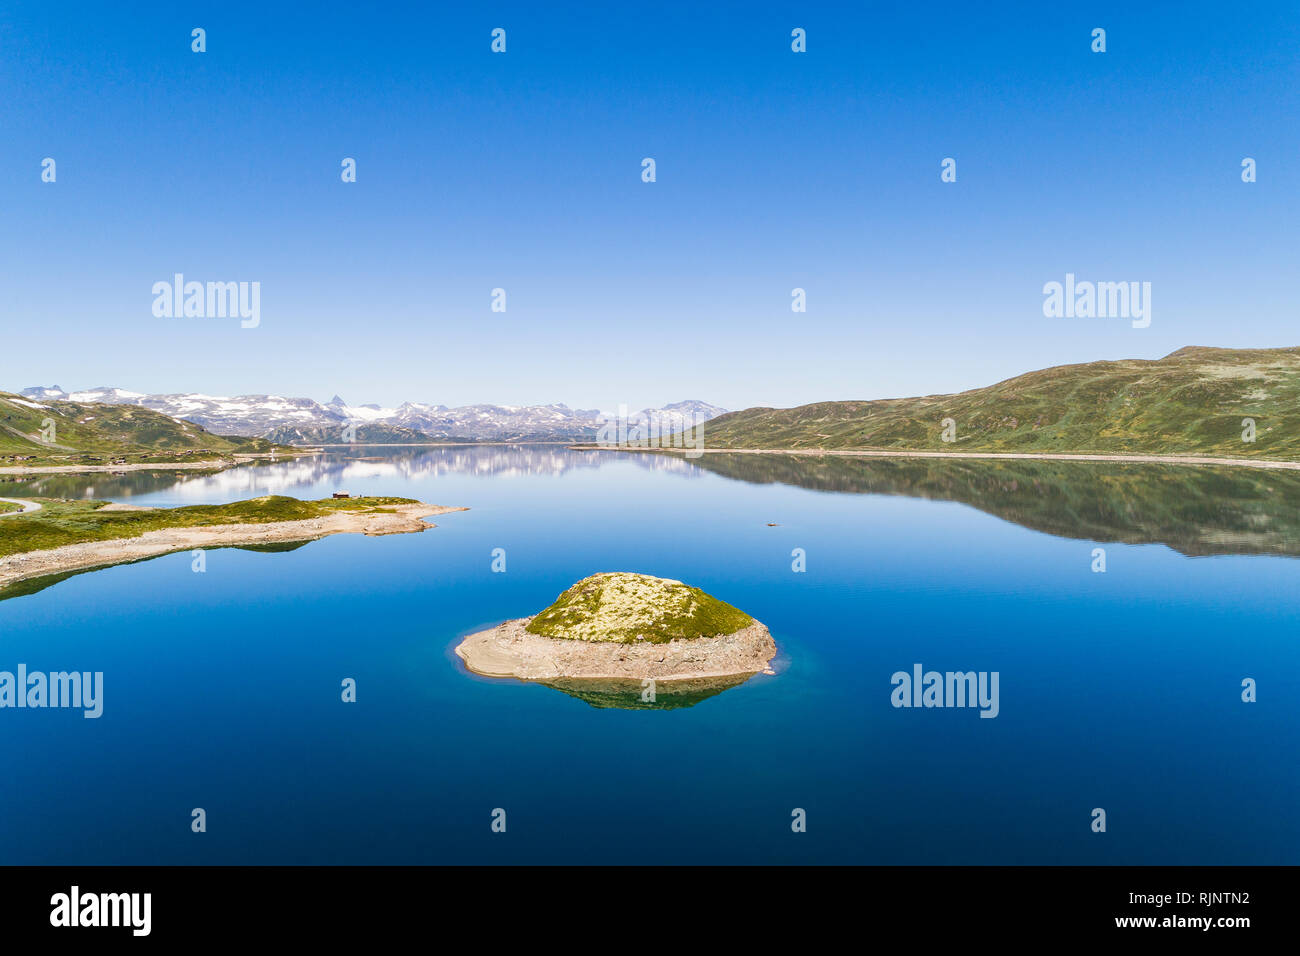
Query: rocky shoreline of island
point(510, 650)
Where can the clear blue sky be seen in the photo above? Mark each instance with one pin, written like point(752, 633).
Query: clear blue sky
point(522, 171)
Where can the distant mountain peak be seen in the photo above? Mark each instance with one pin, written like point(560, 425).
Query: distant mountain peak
point(695, 405)
point(304, 420)
point(40, 391)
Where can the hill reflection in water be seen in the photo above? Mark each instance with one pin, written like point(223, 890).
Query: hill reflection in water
point(1196, 510)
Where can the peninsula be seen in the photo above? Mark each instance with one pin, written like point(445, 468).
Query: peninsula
point(624, 626)
point(63, 536)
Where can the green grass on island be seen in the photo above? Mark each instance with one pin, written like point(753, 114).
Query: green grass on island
point(60, 523)
point(621, 607)
point(1192, 402)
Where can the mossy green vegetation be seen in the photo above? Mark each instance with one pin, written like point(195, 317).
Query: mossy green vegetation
point(60, 523)
point(622, 607)
point(1192, 402)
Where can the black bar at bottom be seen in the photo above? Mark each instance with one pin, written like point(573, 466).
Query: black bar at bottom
point(337, 904)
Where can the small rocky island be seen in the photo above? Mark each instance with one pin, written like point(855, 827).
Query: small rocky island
point(623, 626)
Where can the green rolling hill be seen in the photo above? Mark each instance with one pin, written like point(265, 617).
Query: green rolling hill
point(1191, 402)
point(84, 431)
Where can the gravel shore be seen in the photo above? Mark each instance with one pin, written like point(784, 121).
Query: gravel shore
point(510, 651)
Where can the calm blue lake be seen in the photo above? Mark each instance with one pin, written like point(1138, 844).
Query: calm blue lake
point(1119, 690)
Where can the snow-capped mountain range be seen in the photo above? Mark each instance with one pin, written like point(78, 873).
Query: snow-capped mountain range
point(305, 421)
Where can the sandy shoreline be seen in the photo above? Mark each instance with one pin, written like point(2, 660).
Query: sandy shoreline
point(510, 651)
point(885, 453)
point(74, 557)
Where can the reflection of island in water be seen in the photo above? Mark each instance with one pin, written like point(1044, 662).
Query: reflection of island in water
point(631, 695)
point(36, 585)
point(99, 484)
point(1193, 509)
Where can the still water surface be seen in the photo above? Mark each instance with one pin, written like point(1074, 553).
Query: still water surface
point(1119, 690)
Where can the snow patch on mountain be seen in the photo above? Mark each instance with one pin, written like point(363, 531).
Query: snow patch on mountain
point(304, 420)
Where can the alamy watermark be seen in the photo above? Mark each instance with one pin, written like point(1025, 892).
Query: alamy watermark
point(949, 689)
point(76, 908)
point(36, 689)
point(211, 300)
point(1098, 300)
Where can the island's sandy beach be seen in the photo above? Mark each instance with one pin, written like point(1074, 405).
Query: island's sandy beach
point(400, 520)
point(511, 651)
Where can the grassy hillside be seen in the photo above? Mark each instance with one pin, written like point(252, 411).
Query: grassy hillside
point(84, 431)
point(1189, 403)
point(76, 522)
